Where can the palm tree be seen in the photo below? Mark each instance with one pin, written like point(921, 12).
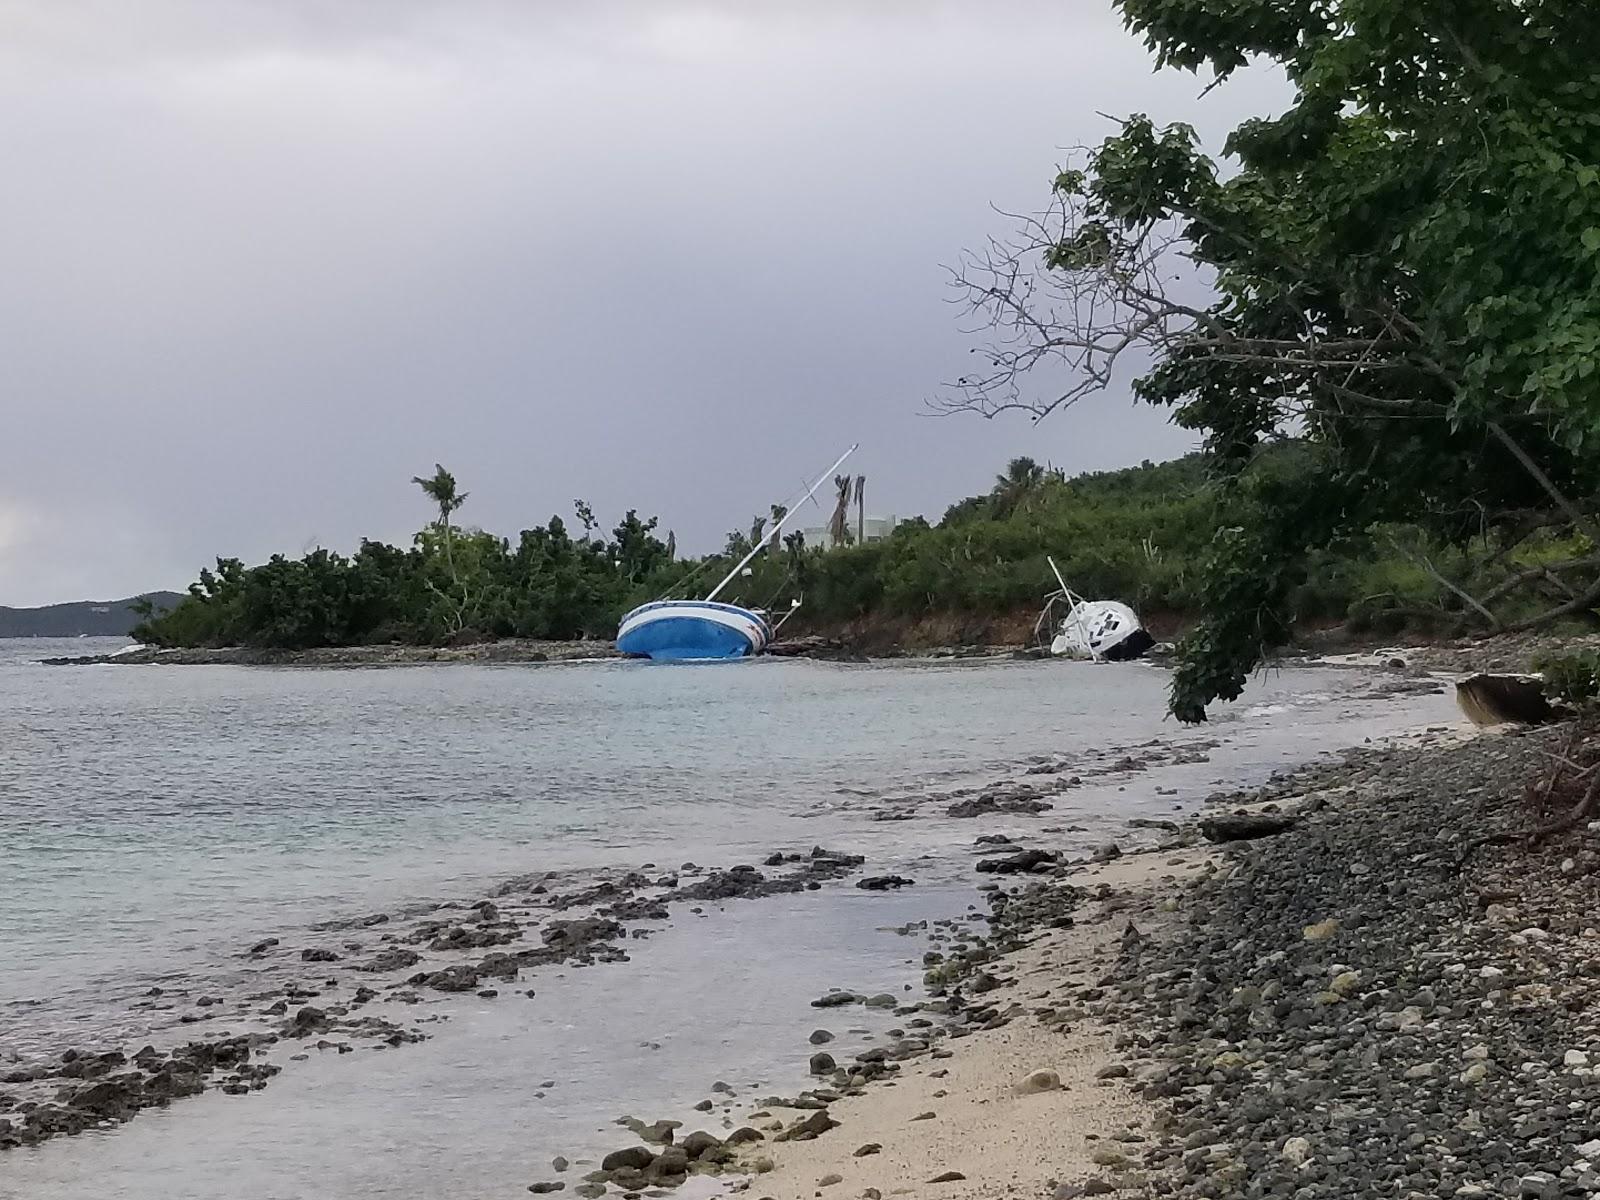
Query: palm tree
point(779, 512)
point(861, 510)
point(441, 489)
point(1012, 490)
point(839, 525)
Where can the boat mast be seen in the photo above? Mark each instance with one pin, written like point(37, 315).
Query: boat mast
point(773, 532)
point(1071, 595)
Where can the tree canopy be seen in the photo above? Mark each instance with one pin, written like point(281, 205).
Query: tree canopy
point(1402, 268)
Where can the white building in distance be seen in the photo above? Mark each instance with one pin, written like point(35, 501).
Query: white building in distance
point(876, 529)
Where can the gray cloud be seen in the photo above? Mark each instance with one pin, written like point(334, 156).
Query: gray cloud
point(266, 261)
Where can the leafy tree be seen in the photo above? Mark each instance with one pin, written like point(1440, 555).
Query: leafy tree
point(1404, 268)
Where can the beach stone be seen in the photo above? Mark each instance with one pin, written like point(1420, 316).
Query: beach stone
point(1321, 931)
point(820, 1037)
point(559, 1164)
point(590, 1191)
point(1239, 827)
point(869, 1148)
point(822, 1063)
point(741, 1136)
point(835, 1000)
point(1034, 1082)
point(948, 1177)
point(544, 1189)
point(1575, 1058)
point(1108, 1156)
point(1538, 1185)
point(636, 1158)
point(830, 1180)
point(700, 1143)
point(1296, 1151)
point(808, 1127)
point(883, 1000)
point(762, 1165)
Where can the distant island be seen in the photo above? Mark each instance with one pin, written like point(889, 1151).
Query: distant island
point(92, 618)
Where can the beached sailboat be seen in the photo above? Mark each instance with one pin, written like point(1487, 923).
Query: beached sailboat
point(676, 630)
point(1101, 630)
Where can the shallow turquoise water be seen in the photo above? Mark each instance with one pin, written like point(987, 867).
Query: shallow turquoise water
point(154, 820)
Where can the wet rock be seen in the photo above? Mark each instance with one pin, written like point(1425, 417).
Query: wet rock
point(835, 1000)
point(869, 1149)
point(820, 1037)
point(636, 1158)
point(394, 958)
point(822, 1063)
point(1027, 860)
point(882, 883)
point(947, 1177)
point(544, 1189)
point(318, 954)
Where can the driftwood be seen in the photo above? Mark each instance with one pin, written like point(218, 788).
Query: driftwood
point(1504, 700)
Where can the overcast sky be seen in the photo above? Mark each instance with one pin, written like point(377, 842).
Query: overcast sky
point(262, 261)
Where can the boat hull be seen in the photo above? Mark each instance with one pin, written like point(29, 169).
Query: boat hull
point(692, 630)
point(1102, 629)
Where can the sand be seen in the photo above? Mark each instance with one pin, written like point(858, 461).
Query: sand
point(1001, 1141)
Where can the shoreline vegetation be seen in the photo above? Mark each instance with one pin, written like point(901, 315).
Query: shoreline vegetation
point(974, 580)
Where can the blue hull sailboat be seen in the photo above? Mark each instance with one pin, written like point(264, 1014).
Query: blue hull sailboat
point(693, 629)
point(698, 630)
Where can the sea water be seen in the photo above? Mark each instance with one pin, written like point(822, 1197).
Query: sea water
point(155, 820)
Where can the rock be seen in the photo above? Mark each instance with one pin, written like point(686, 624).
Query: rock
point(1108, 1156)
point(1575, 1058)
point(883, 1000)
point(1112, 1071)
point(830, 1180)
point(948, 1177)
point(741, 1136)
point(635, 1158)
point(590, 1191)
point(1321, 931)
point(1538, 1185)
point(1043, 1080)
point(544, 1189)
point(1240, 827)
point(763, 1165)
point(704, 1106)
point(882, 883)
point(318, 954)
point(1297, 1151)
point(927, 1116)
point(700, 1143)
point(820, 1037)
point(1476, 1073)
point(1027, 860)
point(835, 1000)
point(869, 1148)
point(559, 1164)
point(822, 1063)
point(808, 1127)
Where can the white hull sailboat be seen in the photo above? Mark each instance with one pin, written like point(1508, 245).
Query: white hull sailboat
point(1099, 630)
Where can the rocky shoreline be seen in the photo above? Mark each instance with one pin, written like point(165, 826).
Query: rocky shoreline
point(366, 982)
point(1339, 1002)
point(1298, 992)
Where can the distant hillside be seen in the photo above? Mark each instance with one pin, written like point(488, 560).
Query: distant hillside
point(97, 618)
